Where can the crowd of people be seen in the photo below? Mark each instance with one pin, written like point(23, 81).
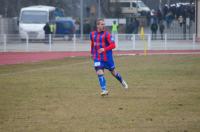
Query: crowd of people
point(168, 13)
point(157, 20)
point(161, 19)
point(183, 13)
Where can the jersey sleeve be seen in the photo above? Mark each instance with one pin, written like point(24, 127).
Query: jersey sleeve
point(92, 44)
point(111, 42)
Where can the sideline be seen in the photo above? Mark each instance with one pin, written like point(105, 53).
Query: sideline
point(9, 58)
point(42, 69)
point(47, 68)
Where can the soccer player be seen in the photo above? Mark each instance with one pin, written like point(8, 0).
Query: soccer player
point(102, 44)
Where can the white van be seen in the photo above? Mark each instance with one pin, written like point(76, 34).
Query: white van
point(132, 6)
point(32, 19)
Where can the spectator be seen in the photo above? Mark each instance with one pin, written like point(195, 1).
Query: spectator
point(159, 15)
point(180, 19)
point(154, 28)
point(129, 30)
point(52, 26)
point(114, 28)
point(47, 31)
point(136, 25)
point(169, 19)
point(161, 28)
point(148, 17)
point(165, 10)
point(77, 28)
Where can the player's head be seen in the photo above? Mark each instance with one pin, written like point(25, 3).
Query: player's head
point(100, 25)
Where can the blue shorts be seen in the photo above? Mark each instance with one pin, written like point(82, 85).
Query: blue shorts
point(110, 65)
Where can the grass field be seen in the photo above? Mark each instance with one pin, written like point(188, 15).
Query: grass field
point(64, 96)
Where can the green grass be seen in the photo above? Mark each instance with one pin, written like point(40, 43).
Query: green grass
point(64, 96)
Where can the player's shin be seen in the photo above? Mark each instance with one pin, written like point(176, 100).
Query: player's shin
point(118, 77)
point(102, 82)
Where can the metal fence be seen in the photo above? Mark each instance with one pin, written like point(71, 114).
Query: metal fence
point(13, 43)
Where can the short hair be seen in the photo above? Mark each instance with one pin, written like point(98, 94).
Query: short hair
point(99, 19)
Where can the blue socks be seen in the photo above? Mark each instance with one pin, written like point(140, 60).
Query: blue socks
point(118, 77)
point(102, 82)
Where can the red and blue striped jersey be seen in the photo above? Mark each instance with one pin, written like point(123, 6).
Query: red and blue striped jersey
point(102, 40)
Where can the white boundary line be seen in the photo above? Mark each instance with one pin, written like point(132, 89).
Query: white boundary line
point(42, 69)
point(141, 54)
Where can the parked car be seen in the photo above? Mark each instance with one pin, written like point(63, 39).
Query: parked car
point(132, 7)
point(65, 28)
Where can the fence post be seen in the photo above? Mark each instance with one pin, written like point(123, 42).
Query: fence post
point(165, 41)
point(74, 42)
point(27, 42)
point(50, 48)
point(149, 41)
point(193, 41)
point(133, 40)
point(5, 42)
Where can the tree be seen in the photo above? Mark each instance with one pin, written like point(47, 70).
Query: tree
point(115, 9)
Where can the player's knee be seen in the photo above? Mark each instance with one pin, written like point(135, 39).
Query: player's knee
point(113, 72)
point(100, 72)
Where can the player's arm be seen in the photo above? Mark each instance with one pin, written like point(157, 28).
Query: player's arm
point(91, 45)
point(111, 42)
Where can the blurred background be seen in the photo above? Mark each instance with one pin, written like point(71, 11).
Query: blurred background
point(91, 9)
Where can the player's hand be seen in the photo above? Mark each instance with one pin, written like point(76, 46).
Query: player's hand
point(101, 50)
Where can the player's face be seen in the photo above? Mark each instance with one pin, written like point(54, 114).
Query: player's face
point(100, 26)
